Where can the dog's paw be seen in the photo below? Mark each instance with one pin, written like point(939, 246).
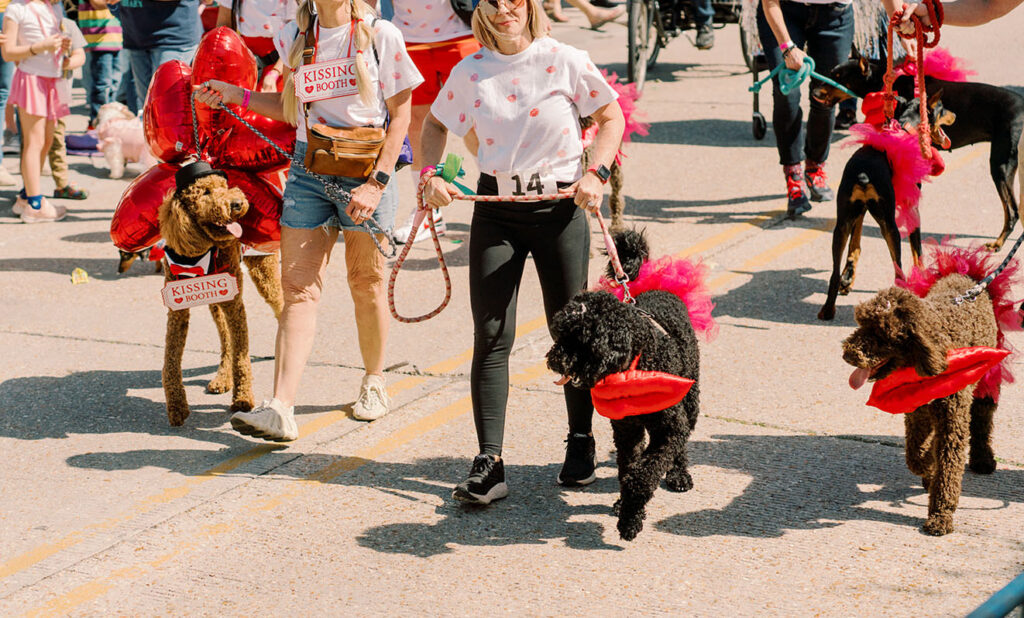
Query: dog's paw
point(177, 413)
point(242, 405)
point(617, 507)
point(982, 464)
point(926, 483)
point(938, 525)
point(827, 314)
point(630, 527)
point(221, 383)
point(679, 480)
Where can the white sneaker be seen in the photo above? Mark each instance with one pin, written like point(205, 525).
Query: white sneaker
point(402, 234)
point(20, 204)
point(271, 421)
point(6, 178)
point(373, 401)
point(46, 213)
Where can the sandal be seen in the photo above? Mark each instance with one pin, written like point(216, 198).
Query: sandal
point(70, 192)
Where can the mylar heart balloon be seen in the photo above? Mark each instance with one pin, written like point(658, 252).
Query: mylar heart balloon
point(223, 55)
point(275, 177)
point(238, 146)
point(167, 116)
point(261, 225)
point(135, 224)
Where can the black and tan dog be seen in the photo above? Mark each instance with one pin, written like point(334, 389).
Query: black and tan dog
point(867, 187)
point(986, 114)
point(199, 224)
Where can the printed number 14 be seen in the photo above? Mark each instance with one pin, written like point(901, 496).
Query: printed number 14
point(533, 185)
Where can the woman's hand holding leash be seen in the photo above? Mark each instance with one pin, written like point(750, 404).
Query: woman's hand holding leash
point(215, 92)
point(365, 199)
point(794, 58)
point(438, 193)
point(589, 193)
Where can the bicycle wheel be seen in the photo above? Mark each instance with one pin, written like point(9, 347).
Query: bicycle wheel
point(643, 40)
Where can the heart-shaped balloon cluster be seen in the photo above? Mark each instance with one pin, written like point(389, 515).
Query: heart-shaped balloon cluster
point(250, 162)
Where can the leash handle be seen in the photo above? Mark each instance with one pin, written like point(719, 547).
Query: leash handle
point(452, 169)
point(790, 79)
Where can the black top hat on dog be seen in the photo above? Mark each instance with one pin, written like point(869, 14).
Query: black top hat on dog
point(193, 172)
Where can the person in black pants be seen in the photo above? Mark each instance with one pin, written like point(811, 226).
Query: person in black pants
point(825, 30)
point(517, 102)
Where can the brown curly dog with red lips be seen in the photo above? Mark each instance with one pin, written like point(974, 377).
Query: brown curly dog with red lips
point(199, 216)
point(898, 329)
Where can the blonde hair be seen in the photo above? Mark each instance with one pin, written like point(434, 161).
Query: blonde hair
point(537, 25)
point(362, 16)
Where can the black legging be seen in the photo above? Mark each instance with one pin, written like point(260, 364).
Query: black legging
point(501, 237)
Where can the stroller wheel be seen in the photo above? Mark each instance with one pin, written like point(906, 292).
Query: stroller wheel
point(760, 126)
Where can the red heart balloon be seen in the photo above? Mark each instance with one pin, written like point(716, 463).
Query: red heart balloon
point(223, 55)
point(238, 146)
point(275, 177)
point(135, 224)
point(167, 116)
point(261, 225)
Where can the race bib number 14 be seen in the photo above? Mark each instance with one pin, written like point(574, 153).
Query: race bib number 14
point(527, 183)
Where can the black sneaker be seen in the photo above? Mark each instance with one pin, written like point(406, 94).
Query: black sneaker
point(705, 37)
point(846, 118)
point(580, 461)
point(486, 482)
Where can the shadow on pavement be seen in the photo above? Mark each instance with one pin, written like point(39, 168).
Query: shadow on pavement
point(104, 269)
point(533, 514)
point(780, 296)
point(99, 402)
point(817, 482)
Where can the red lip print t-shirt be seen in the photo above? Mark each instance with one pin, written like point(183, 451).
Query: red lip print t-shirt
point(525, 107)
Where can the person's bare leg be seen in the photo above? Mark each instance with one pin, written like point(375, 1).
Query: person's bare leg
point(367, 274)
point(33, 136)
point(597, 16)
point(304, 258)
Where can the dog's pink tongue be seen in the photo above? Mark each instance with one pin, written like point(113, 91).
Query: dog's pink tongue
point(235, 228)
point(562, 381)
point(859, 377)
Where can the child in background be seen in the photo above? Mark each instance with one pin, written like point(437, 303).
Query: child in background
point(102, 34)
point(34, 40)
point(58, 149)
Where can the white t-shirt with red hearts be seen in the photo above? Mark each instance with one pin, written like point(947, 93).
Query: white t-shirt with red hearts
point(395, 74)
point(428, 21)
point(525, 107)
point(262, 18)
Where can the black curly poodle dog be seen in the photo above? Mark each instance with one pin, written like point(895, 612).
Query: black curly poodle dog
point(596, 335)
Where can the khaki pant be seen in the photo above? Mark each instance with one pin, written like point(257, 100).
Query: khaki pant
point(58, 156)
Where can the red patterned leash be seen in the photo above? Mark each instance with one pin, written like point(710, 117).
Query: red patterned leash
point(427, 212)
point(936, 15)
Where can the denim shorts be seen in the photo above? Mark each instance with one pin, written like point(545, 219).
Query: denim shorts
point(306, 205)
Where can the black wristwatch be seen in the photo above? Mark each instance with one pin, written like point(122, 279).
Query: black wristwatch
point(380, 178)
point(602, 173)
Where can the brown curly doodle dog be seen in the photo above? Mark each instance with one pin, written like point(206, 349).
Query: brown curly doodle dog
point(199, 223)
point(899, 328)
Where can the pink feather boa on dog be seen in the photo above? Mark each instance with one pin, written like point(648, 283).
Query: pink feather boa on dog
point(940, 64)
point(908, 168)
point(976, 262)
point(679, 276)
point(634, 117)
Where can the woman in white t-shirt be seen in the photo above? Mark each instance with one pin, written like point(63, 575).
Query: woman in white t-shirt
point(346, 31)
point(41, 50)
point(520, 99)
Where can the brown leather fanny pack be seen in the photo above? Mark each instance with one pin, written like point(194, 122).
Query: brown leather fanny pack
point(346, 151)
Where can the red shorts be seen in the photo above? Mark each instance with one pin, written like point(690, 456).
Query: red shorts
point(435, 62)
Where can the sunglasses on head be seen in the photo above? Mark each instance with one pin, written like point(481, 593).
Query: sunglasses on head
point(491, 7)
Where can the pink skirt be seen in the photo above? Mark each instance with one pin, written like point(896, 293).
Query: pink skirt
point(39, 96)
